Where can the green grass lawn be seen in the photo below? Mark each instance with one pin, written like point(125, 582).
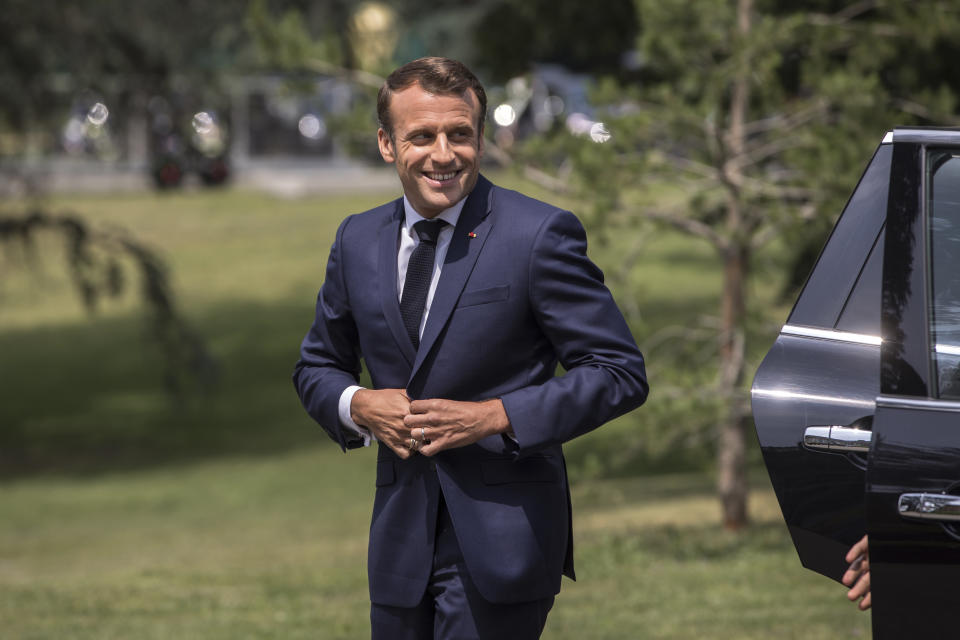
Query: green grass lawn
point(274, 547)
point(125, 513)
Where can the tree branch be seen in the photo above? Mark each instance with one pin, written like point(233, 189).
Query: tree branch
point(845, 15)
point(787, 122)
point(687, 225)
point(922, 111)
point(756, 154)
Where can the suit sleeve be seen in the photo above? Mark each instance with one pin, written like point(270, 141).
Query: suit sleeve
point(605, 374)
point(329, 355)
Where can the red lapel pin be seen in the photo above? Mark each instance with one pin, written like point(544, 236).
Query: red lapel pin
point(471, 235)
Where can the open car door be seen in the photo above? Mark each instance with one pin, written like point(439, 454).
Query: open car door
point(821, 378)
point(861, 434)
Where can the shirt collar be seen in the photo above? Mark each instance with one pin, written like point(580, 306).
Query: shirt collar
point(450, 216)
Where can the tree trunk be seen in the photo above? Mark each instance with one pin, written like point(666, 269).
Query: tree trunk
point(731, 443)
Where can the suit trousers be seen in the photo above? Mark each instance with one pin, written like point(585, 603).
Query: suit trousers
point(452, 607)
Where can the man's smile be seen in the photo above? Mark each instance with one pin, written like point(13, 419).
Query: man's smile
point(442, 177)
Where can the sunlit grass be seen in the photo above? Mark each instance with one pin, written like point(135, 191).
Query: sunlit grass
point(275, 548)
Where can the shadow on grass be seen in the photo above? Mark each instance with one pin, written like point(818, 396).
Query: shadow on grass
point(89, 398)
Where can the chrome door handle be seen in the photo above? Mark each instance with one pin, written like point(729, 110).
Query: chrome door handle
point(929, 506)
point(837, 439)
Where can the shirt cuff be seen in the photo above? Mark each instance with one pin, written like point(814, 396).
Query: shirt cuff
point(346, 420)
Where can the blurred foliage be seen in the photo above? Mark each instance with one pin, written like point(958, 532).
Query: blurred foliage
point(827, 79)
point(289, 34)
point(112, 46)
point(751, 138)
point(97, 262)
point(514, 34)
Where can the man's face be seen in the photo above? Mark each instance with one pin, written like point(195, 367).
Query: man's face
point(436, 145)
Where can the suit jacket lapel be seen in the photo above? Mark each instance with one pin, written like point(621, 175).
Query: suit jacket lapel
point(387, 267)
point(469, 236)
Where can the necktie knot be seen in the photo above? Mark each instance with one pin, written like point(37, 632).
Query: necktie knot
point(429, 230)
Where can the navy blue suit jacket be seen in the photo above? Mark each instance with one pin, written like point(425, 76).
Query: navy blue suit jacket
point(517, 294)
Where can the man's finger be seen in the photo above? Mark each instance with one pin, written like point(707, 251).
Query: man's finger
point(430, 404)
point(858, 549)
point(398, 448)
point(414, 421)
point(432, 449)
point(861, 588)
point(437, 443)
point(857, 567)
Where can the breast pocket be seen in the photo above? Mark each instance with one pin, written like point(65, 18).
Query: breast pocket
point(484, 296)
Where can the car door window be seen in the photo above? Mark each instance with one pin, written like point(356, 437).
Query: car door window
point(845, 286)
point(943, 184)
point(861, 312)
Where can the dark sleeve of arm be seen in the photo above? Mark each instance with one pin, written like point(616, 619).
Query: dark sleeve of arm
point(605, 375)
point(329, 355)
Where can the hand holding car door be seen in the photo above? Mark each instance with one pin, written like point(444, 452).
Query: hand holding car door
point(857, 576)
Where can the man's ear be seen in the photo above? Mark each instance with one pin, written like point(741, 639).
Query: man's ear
point(480, 143)
point(386, 146)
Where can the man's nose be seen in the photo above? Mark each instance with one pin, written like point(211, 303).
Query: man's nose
point(442, 151)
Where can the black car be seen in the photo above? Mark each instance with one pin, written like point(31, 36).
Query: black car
point(857, 404)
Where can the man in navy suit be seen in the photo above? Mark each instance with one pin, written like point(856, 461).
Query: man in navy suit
point(461, 298)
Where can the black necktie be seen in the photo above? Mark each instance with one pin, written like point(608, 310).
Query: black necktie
point(419, 273)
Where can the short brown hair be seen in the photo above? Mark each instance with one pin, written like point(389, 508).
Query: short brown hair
point(441, 76)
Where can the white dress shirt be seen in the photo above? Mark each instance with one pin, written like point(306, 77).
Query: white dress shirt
point(408, 241)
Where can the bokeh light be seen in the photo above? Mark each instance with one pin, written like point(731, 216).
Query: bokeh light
point(599, 132)
point(554, 105)
point(74, 136)
point(208, 137)
point(504, 115)
point(579, 124)
point(312, 127)
point(203, 123)
point(98, 114)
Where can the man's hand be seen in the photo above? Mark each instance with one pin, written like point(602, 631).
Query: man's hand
point(448, 424)
point(858, 575)
point(382, 412)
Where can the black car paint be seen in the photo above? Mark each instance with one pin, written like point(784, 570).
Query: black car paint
point(829, 500)
point(807, 381)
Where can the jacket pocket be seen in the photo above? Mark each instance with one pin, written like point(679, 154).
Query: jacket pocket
point(386, 474)
point(535, 469)
point(483, 296)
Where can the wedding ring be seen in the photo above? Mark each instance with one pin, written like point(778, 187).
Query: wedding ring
point(414, 444)
point(423, 435)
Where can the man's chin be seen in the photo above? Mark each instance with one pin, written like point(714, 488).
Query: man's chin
point(446, 198)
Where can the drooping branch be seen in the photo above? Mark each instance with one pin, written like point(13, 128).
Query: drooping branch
point(94, 259)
